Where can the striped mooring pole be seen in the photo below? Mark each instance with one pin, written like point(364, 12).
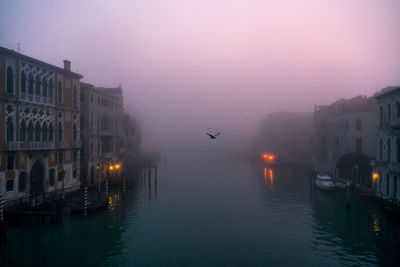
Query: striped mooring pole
point(1, 208)
point(85, 200)
point(106, 188)
point(99, 185)
point(124, 186)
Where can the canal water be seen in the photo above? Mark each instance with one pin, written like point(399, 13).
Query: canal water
point(210, 206)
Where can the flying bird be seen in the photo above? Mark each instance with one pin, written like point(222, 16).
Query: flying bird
point(213, 136)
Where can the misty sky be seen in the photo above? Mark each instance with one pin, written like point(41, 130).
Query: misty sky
point(194, 66)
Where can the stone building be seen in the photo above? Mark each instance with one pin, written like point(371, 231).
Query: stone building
point(387, 177)
point(344, 128)
point(102, 126)
point(40, 139)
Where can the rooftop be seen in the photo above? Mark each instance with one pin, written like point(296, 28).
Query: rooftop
point(389, 90)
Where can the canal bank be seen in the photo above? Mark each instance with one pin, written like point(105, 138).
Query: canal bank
point(212, 208)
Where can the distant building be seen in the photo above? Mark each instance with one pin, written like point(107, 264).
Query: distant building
point(286, 135)
point(102, 131)
point(342, 128)
point(39, 141)
point(387, 182)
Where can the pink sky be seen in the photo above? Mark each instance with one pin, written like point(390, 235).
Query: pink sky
point(193, 66)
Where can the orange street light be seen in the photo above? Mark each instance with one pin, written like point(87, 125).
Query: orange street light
point(271, 157)
point(265, 156)
point(375, 175)
point(111, 167)
point(117, 166)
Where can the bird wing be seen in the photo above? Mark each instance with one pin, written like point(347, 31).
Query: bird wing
point(210, 135)
point(217, 134)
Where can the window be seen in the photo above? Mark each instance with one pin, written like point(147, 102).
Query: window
point(60, 92)
point(22, 182)
point(398, 149)
point(44, 132)
point(37, 86)
point(82, 98)
point(22, 131)
point(98, 148)
point(10, 185)
point(59, 176)
point(358, 124)
point(91, 121)
point(397, 109)
point(30, 84)
point(388, 149)
point(60, 158)
point(37, 132)
point(60, 132)
point(10, 162)
point(51, 132)
point(380, 116)
point(75, 96)
point(74, 173)
point(91, 150)
point(44, 89)
point(75, 156)
point(380, 149)
point(10, 130)
point(389, 109)
point(358, 145)
point(30, 131)
point(51, 86)
point(74, 132)
point(23, 82)
point(51, 177)
point(10, 81)
point(91, 98)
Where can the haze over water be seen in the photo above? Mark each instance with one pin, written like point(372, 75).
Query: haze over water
point(191, 66)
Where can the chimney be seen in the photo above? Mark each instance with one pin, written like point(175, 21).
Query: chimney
point(67, 65)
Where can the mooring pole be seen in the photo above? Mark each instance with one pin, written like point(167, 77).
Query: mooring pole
point(107, 189)
point(85, 200)
point(348, 197)
point(124, 187)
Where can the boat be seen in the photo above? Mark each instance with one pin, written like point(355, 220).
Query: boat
point(77, 208)
point(340, 185)
point(324, 182)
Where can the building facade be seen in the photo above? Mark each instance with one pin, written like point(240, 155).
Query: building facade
point(40, 139)
point(342, 128)
point(102, 128)
point(387, 169)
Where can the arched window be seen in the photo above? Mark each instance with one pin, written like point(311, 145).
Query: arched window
point(75, 96)
point(37, 132)
point(44, 87)
point(388, 149)
point(74, 133)
point(44, 132)
point(381, 116)
point(10, 81)
point(52, 176)
point(30, 84)
point(30, 131)
point(22, 182)
point(51, 132)
point(380, 149)
point(10, 185)
point(51, 86)
point(23, 82)
point(22, 131)
point(389, 109)
point(60, 132)
point(60, 92)
point(397, 108)
point(37, 86)
point(10, 130)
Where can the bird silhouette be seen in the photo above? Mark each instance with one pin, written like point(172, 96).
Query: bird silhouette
point(213, 136)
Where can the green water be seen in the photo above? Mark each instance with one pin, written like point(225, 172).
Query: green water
point(216, 210)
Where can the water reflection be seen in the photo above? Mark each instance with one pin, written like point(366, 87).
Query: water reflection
point(375, 223)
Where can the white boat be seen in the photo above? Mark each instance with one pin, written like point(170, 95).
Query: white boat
point(342, 185)
point(324, 182)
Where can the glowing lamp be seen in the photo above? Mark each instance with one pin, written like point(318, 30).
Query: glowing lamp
point(111, 167)
point(375, 175)
point(265, 156)
point(117, 166)
point(271, 157)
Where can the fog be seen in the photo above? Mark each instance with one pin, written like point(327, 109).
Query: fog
point(191, 67)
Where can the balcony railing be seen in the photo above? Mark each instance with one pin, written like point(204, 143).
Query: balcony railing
point(62, 145)
point(30, 145)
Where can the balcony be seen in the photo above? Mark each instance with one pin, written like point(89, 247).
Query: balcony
point(30, 145)
point(62, 145)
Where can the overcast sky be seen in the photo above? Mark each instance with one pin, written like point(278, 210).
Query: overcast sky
point(196, 65)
